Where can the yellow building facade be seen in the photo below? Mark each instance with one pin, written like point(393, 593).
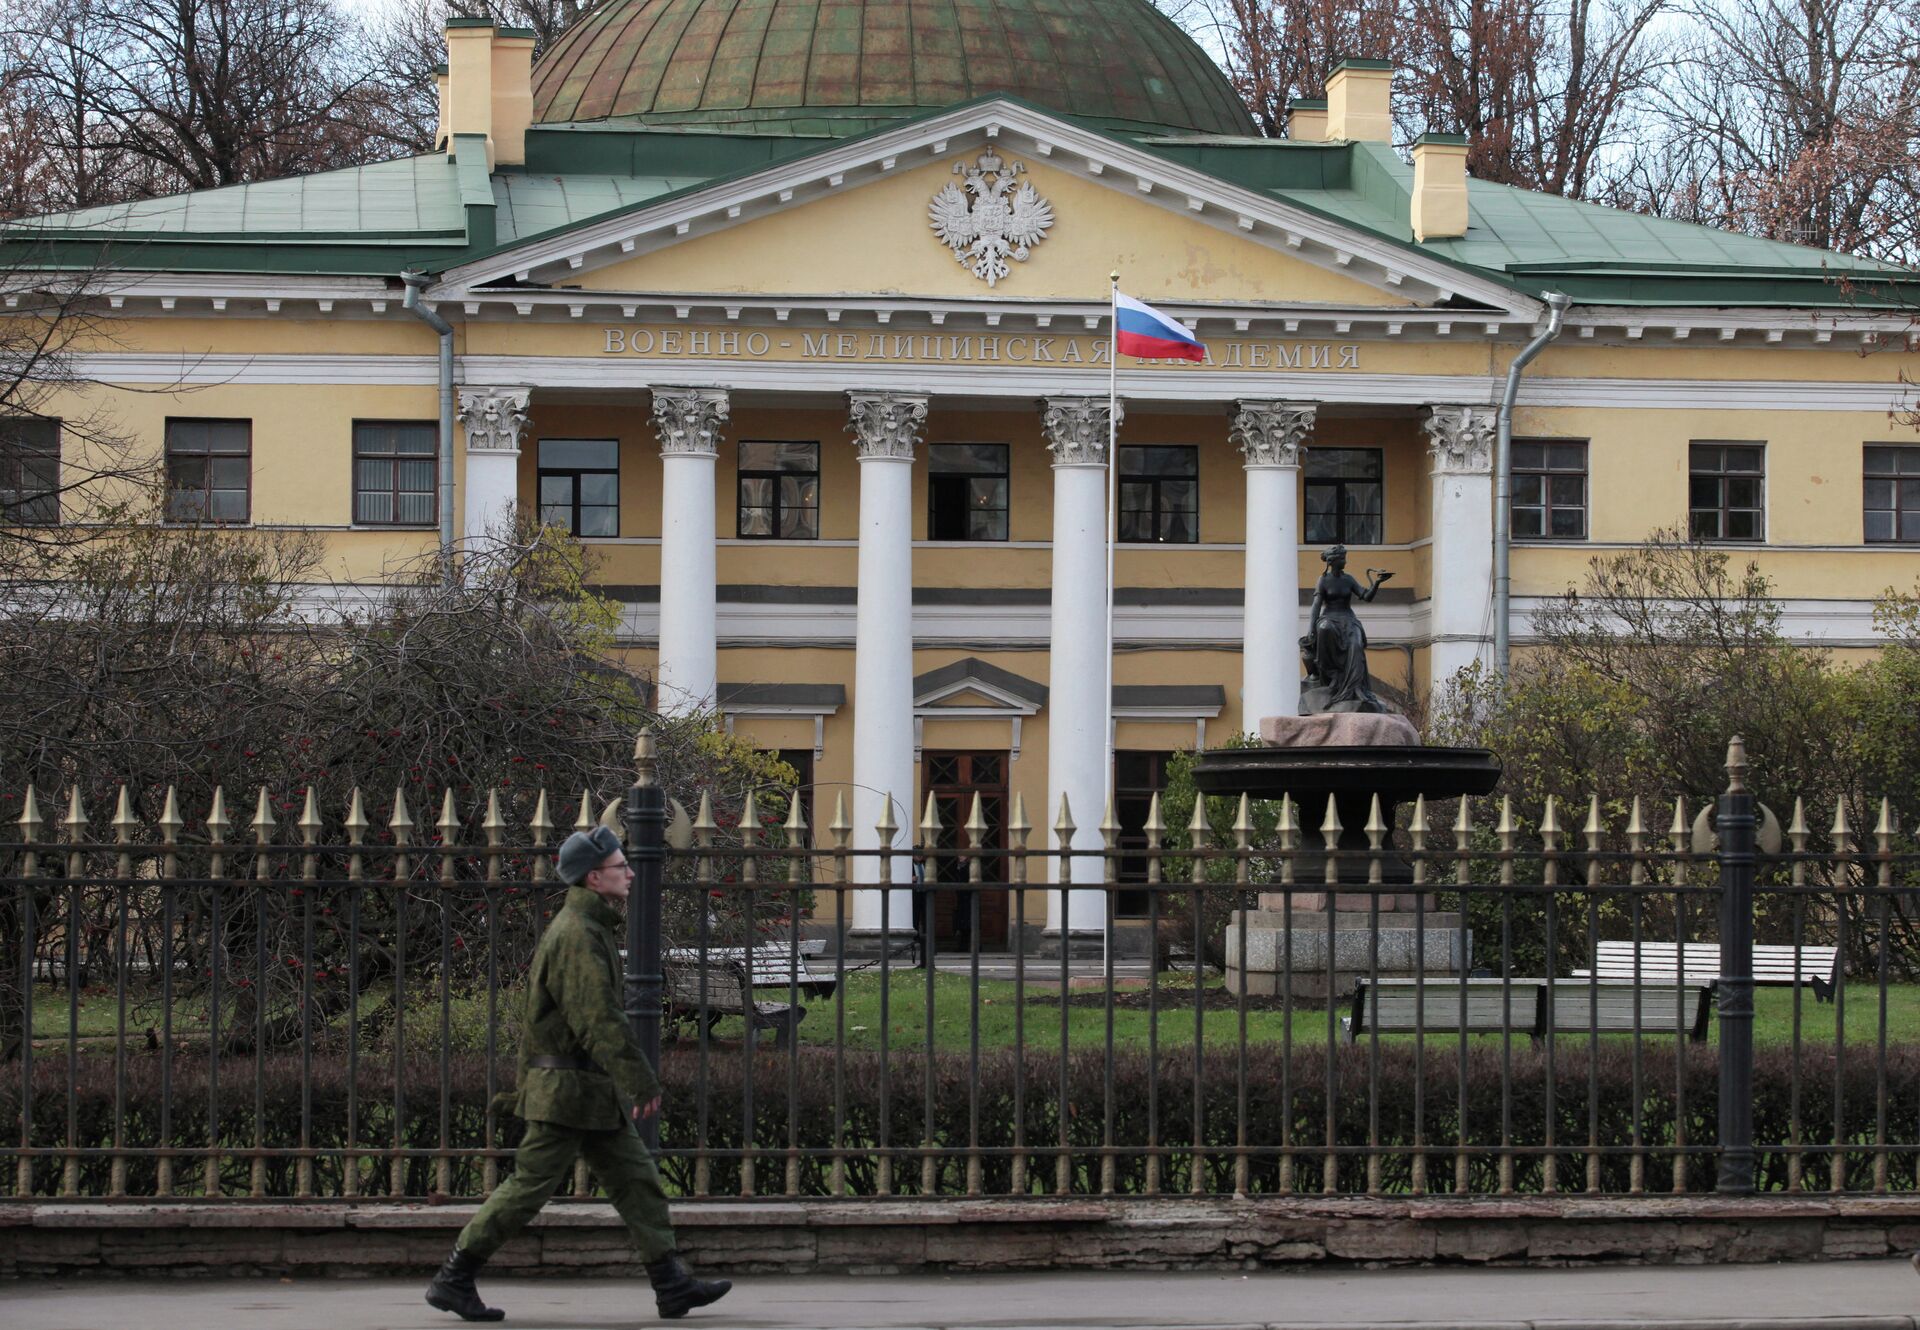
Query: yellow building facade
point(818, 369)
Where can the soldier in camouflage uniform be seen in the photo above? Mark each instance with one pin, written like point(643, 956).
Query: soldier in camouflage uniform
point(583, 1085)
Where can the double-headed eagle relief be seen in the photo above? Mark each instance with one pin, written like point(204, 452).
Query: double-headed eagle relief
point(996, 217)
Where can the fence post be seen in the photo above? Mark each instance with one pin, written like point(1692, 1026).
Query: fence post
point(646, 851)
point(1737, 871)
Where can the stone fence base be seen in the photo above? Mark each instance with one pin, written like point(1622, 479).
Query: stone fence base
point(580, 1239)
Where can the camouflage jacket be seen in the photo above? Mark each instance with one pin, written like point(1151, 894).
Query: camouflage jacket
point(573, 1013)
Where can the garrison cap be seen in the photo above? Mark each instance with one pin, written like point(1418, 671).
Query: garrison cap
point(584, 851)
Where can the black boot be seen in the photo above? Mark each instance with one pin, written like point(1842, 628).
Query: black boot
point(452, 1289)
point(676, 1291)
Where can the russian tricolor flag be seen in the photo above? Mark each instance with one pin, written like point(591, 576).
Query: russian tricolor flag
point(1141, 330)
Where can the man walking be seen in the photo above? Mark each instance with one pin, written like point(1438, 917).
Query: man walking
point(583, 1085)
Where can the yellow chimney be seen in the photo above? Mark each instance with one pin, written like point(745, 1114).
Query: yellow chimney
point(1307, 120)
point(470, 81)
point(512, 94)
point(440, 139)
point(1360, 102)
point(1439, 186)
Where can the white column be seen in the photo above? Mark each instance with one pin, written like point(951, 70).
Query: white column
point(493, 420)
point(1269, 434)
point(1078, 712)
point(688, 421)
point(886, 428)
point(1461, 626)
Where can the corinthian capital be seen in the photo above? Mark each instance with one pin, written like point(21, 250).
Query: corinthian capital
point(688, 420)
point(1270, 433)
point(1076, 429)
point(1461, 439)
point(886, 425)
point(494, 418)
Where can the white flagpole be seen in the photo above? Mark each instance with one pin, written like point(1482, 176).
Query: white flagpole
point(1113, 539)
point(1113, 498)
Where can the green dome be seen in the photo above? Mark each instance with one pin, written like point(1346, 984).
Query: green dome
point(843, 67)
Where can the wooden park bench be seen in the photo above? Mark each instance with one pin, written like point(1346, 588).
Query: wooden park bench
point(1659, 962)
point(1527, 1006)
point(752, 982)
point(1392, 1006)
point(1608, 1006)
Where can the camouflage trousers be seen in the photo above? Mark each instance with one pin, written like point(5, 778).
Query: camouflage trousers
point(545, 1160)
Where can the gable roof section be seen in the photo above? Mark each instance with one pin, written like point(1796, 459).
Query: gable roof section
point(1121, 162)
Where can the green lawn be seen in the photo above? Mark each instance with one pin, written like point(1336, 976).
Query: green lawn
point(995, 1010)
point(954, 1015)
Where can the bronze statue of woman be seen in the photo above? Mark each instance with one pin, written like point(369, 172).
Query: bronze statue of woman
point(1336, 644)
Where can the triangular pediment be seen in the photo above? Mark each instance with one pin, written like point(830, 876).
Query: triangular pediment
point(853, 220)
point(975, 687)
point(877, 239)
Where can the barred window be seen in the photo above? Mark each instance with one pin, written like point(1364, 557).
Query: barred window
point(967, 491)
point(779, 491)
point(396, 466)
point(1159, 495)
point(1726, 495)
point(1549, 490)
point(580, 485)
point(29, 471)
point(1892, 507)
point(209, 470)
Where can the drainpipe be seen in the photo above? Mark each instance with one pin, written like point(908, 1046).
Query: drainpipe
point(1503, 485)
point(416, 283)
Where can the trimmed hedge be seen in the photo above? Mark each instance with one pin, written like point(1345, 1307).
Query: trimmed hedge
point(1294, 1103)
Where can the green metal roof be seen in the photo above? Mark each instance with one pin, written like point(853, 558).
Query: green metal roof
point(441, 210)
point(844, 67)
point(369, 204)
point(1539, 242)
point(528, 205)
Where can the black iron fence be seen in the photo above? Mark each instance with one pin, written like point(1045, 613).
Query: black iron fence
point(310, 1008)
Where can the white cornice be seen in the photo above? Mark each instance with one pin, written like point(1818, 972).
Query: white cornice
point(1013, 383)
point(1178, 189)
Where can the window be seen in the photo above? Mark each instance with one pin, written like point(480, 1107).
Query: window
point(580, 485)
point(1159, 495)
point(1137, 775)
point(1724, 491)
point(396, 467)
point(1892, 509)
point(29, 472)
point(1549, 490)
point(801, 760)
point(209, 470)
point(780, 491)
point(1343, 494)
point(967, 491)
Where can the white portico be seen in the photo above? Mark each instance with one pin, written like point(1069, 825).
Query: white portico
point(806, 587)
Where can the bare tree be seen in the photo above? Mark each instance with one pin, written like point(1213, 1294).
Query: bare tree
point(1796, 120)
point(187, 659)
point(198, 93)
point(1544, 90)
point(1279, 50)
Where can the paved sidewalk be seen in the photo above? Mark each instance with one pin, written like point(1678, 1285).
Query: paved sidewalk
point(1845, 1295)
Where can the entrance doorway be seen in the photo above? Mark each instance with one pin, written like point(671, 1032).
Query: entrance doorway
point(954, 779)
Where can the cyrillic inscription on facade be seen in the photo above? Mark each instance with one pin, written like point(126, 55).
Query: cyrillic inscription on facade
point(953, 349)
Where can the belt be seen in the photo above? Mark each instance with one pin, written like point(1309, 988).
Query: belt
point(557, 1062)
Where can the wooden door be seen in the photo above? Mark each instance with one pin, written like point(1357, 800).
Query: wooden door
point(955, 779)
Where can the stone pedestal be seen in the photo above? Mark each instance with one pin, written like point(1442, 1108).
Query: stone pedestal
point(1273, 965)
